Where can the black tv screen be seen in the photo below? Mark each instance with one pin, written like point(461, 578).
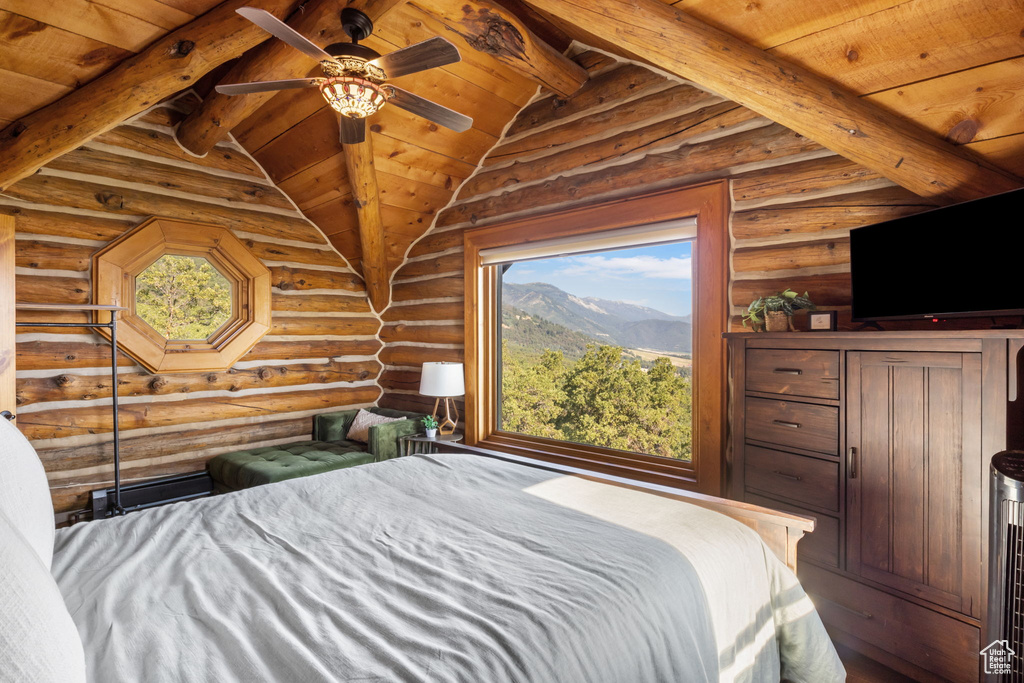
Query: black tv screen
point(957, 261)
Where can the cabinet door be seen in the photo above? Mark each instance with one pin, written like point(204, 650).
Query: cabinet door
point(913, 480)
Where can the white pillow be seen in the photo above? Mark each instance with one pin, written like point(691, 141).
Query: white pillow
point(38, 639)
point(24, 492)
point(364, 419)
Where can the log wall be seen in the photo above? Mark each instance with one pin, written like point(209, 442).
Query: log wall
point(320, 354)
point(630, 130)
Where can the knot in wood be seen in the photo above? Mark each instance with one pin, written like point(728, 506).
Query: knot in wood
point(182, 48)
point(63, 380)
point(494, 35)
point(264, 373)
point(364, 374)
point(110, 200)
point(158, 384)
point(963, 132)
point(211, 378)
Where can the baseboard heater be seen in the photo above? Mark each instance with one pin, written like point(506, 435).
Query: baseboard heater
point(150, 494)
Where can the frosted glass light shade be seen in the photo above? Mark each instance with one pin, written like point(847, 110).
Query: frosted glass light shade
point(442, 379)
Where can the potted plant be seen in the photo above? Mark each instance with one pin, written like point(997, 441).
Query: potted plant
point(430, 425)
point(775, 313)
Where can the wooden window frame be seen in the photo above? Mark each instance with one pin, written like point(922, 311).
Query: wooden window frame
point(116, 267)
point(708, 203)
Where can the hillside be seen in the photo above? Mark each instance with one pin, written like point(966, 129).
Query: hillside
point(532, 334)
point(610, 322)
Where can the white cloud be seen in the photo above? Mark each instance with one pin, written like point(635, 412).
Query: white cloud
point(630, 266)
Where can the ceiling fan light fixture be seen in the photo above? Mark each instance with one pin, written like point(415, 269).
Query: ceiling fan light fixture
point(355, 98)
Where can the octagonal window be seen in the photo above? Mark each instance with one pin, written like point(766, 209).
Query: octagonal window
point(183, 297)
point(197, 299)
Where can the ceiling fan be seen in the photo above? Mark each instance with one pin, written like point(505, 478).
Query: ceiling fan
point(355, 81)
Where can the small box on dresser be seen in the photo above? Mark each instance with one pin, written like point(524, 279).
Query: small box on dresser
point(885, 439)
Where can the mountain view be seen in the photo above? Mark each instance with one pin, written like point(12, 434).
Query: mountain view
point(594, 371)
point(608, 322)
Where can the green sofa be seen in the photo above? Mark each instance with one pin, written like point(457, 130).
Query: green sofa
point(329, 450)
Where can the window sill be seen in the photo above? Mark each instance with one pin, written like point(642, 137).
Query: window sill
point(635, 466)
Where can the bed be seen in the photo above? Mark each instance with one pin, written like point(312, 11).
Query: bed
point(447, 567)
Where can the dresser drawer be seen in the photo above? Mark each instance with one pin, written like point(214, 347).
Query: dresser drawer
point(804, 480)
point(932, 641)
point(821, 545)
point(794, 372)
point(791, 424)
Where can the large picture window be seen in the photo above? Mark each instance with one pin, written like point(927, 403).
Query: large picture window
point(594, 336)
point(596, 349)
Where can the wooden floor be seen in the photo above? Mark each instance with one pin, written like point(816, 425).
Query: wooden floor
point(861, 669)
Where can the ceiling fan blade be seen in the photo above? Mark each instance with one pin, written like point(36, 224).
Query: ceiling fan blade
point(353, 131)
point(431, 111)
point(271, 24)
point(267, 86)
point(419, 57)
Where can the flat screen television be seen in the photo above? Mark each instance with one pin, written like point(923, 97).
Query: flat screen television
point(958, 261)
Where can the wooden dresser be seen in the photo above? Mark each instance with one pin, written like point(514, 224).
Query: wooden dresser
point(885, 438)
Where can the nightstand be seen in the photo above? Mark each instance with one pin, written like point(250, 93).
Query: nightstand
point(421, 443)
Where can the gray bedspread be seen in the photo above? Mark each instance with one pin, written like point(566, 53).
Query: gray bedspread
point(436, 568)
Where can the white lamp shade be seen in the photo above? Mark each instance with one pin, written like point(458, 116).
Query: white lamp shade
point(442, 379)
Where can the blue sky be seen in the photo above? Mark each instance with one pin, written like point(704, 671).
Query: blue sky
point(659, 277)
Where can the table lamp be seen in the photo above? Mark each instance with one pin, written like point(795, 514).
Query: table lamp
point(443, 380)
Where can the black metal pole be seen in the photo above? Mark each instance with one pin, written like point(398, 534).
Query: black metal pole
point(118, 509)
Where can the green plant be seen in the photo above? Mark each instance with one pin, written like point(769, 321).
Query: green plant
point(786, 302)
point(429, 422)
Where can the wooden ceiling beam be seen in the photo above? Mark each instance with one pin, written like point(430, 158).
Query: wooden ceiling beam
point(790, 95)
point(165, 67)
point(363, 177)
point(490, 28)
point(320, 21)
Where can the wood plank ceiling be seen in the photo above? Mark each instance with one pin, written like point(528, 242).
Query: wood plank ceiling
point(419, 165)
point(955, 67)
point(47, 49)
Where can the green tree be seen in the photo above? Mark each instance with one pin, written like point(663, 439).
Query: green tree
point(530, 392)
point(610, 400)
point(183, 297)
point(605, 398)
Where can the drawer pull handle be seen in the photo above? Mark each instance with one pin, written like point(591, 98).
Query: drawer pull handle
point(788, 371)
point(851, 462)
point(854, 612)
point(788, 476)
point(783, 423)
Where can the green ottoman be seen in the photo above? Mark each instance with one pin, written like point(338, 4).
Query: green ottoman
point(257, 466)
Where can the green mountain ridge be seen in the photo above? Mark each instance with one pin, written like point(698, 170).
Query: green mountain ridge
point(618, 323)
